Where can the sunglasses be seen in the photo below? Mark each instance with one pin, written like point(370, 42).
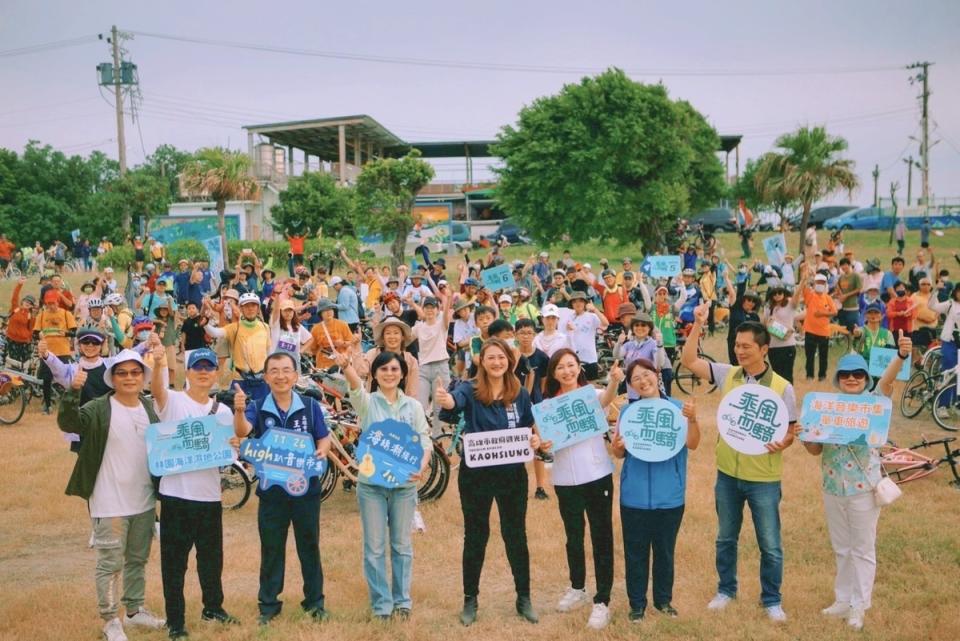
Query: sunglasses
point(91, 342)
point(204, 367)
point(127, 373)
point(857, 374)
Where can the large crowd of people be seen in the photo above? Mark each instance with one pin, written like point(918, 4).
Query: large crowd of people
point(421, 343)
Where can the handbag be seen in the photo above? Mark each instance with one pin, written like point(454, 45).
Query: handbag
point(885, 491)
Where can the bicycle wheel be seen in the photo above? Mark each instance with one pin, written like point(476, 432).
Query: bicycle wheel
point(13, 401)
point(328, 482)
point(439, 476)
point(688, 382)
point(234, 486)
point(915, 395)
point(946, 407)
point(453, 452)
point(932, 362)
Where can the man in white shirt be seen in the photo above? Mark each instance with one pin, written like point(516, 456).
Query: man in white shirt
point(191, 513)
point(111, 473)
point(582, 329)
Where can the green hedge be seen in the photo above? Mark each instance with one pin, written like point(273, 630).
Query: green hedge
point(122, 255)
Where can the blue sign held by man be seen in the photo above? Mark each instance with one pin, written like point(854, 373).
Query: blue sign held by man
point(284, 457)
point(189, 445)
point(497, 278)
point(570, 418)
point(389, 452)
point(653, 429)
point(662, 266)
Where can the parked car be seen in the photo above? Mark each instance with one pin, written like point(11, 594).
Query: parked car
point(713, 220)
point(509, 230)
point(862, 218)
point(820, 215)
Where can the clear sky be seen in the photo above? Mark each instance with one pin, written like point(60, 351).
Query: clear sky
point(197, 95)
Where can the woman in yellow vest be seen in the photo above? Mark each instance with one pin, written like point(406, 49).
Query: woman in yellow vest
point(743, 478)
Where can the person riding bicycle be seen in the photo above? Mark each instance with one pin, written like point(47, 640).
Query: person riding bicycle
point(248, 339)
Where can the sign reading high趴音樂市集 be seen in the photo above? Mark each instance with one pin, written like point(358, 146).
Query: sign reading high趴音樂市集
point(880, 357)
point(653, 429)
point(189, 444)
point(750, 417)
point(570, 418)
point(497, 278)
point(843, 419)
point(776, 248)
point(661, 266)
point(497, 447)
point(389, 452)
point(284, 457)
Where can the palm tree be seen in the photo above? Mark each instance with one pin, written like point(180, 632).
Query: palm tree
point(221, 175)
point(806, 169)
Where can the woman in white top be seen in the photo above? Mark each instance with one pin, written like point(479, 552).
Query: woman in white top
point(551, 339)
point(434, 361)
point(391, 335)
point(583, 481)
point(286, 332)
point(779, 315)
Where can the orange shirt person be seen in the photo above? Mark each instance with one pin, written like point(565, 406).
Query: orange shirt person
point(329, 335)
point(816, 324)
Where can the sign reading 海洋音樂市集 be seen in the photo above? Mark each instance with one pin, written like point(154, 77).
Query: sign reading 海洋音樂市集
point(843, 419)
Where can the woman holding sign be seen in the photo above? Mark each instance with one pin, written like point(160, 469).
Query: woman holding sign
point(583, 480)
point(493, 401)
point(387, 506)
point(652, 497)
point(850, 472)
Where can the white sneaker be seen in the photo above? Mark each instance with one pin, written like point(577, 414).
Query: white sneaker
point(838, 609)
point(113, 630)
point(599, 617)
point(144, 618)
point(719, 602)
point(855, 618)
point(572, 599)
point(776, 614)
point(418, 523)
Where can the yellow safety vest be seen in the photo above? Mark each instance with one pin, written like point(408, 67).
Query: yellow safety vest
point(757, 467)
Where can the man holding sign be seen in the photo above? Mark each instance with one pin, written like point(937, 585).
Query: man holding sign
point(285, 409)
point(745, 478)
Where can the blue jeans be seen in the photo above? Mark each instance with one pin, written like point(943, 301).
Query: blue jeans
point(386, 511)
point(764, 502)
point(948, 360)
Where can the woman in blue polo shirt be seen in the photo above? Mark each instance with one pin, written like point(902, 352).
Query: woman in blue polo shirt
point(493, 400)
point(652, 498)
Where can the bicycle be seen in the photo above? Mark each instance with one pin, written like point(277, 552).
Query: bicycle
point(13, 397)
point(451, 443)
point(688, 382)
point(903, 464)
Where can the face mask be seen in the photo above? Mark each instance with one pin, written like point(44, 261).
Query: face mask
point(820, 289)
point(742, 270)
point(143, 335)
point(903, 293)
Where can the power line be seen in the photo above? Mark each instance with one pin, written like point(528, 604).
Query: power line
point(48, 46)
point(512, 67)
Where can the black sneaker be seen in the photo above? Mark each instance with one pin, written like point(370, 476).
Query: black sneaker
point(546, 457)
point(667, 610)
point(402, 613)
point(265, 619)
point(469, 613)
point(636, 616)
point(319, 614)
point(220, 616)
point(348, 486)
point(540, 494)
point(525, 609)
point(178, 633)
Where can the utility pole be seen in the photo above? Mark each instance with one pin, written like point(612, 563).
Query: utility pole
point(910, 163)
point(923, 77)
point(876, 176)
point(118, 90)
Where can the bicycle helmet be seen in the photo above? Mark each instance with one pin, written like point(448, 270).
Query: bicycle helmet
point(249, 297)
point(114, 299)
point(94, 303)
point(149, 268)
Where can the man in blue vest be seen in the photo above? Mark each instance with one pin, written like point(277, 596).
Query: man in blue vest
point(743, 478)
point(284, 408)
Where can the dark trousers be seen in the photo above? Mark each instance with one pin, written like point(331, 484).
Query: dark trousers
point(183, 525)
point(47, 377)
point(596, 500)
point(731, 352)
point(811, 345)
point(782, 360)
point(274, 517)
point(643, 531)
point(478, 490)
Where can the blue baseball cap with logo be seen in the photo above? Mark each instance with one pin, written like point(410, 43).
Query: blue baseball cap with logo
point(202, 354)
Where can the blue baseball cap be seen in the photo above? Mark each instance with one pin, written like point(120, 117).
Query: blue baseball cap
point(202, 354)
point(850, 363)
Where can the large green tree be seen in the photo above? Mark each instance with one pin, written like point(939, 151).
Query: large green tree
point(607, 158)
point(806, 168)
point(141, 192)
point(386, 190)
point(221, 175)
point(313, 201)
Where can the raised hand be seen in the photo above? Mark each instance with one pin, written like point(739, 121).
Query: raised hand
point(79, 379)
point(239, 398)
point(904, 343)
point(42, 348)
point(701, 312)
point(690, 410)
point(616, 373)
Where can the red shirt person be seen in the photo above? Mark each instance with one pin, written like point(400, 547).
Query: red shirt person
point(901, 311)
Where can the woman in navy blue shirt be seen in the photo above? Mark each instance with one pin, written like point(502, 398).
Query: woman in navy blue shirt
point(493, 400)
point(652, 498)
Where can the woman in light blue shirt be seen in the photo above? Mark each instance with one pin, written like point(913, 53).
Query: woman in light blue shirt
point(387, 513)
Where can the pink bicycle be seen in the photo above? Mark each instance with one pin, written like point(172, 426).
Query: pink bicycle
point(903, 464)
